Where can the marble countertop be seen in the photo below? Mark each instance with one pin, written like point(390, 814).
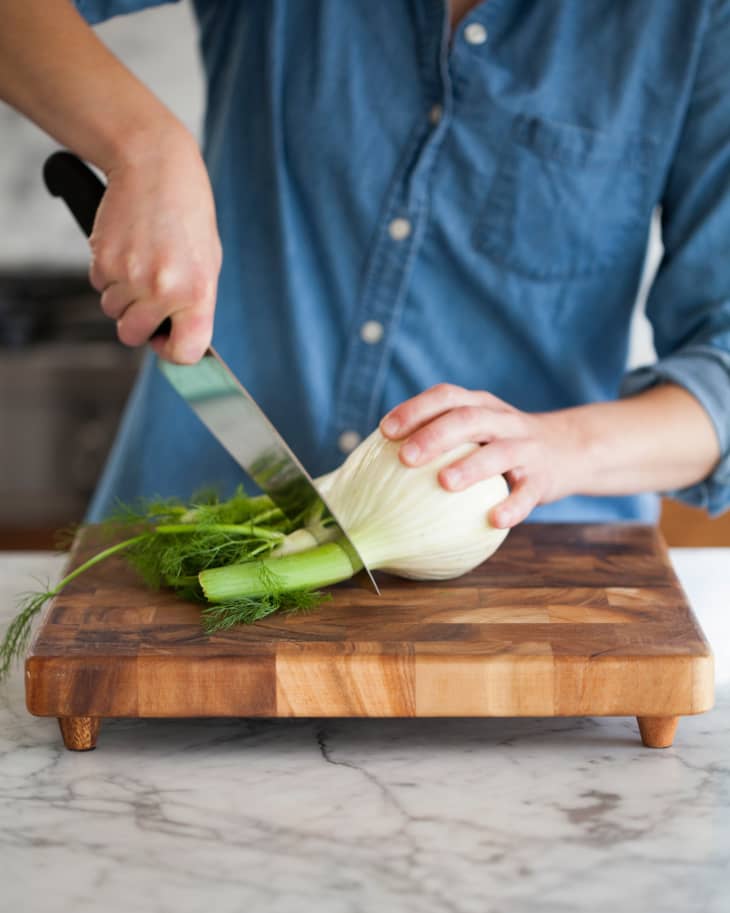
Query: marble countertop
point(353, 816)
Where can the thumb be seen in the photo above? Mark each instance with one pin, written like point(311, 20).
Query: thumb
point(189, 338)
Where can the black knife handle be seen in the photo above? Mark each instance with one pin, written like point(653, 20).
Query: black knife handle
point(67, 177)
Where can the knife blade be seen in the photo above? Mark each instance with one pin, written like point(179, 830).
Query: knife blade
point(212, 390)
point(234, 417)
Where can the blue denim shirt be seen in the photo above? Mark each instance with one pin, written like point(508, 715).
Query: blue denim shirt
point(399, 207)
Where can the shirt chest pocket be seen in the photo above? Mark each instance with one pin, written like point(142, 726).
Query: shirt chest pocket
point(565, 202)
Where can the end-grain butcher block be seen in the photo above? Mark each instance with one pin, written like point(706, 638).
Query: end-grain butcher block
point(564, 620)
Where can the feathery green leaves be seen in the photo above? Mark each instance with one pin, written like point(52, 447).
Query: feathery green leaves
point(169, 542)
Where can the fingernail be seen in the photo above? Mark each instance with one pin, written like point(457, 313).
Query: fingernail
point(189, 353)
point(390, 425)
point(452, 477)
point(410, 452)
point(503, 518)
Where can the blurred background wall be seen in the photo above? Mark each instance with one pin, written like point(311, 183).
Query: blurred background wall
point(159, 45)
point(63, 377)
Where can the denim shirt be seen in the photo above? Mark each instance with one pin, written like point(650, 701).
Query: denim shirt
point(399, 207)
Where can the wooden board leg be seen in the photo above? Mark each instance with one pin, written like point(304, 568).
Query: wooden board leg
point(657, 731)
point(79, 732)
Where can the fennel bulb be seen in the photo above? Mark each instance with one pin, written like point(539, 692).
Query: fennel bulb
point(402, 521)
point(400, 518)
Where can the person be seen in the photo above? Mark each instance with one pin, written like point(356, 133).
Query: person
point(434, 215)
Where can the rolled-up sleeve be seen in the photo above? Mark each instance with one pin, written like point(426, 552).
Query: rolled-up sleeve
point(95, 11)
point(689, 302)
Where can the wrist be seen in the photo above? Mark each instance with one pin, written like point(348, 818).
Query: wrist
point(146, 139)
point(571, 450)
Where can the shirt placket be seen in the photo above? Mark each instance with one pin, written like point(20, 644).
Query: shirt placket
point(399, 237)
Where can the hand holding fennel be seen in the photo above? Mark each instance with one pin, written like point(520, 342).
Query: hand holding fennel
point(244, 559)
point(659, 440)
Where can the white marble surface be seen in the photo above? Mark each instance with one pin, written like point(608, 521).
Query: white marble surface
point(353, 816)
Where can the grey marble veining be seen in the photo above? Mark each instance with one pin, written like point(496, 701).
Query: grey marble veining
point(349, 816)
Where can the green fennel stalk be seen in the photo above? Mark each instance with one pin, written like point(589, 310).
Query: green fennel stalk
point(321, 566)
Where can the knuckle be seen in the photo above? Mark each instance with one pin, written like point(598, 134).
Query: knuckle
point(218, 254)
point(101, 269)
point(488, 399)
point(136, 325)
point(427, 438)
point(194, 285)
point(510, 451)
point(470, 415)
point(133, 269)
point(161, 279)
point(104, 254)
point(200, 285)
point(468, 471)
point(95, 280)
point(516, 423)
point(402, 413)
point(437, 437)
point(126, 334)
point(445, 390)
point(194, 323)
point(107, 304)
point(516, 476)
point(527, 496)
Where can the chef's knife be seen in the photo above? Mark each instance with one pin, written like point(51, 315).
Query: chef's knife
point(211, 389)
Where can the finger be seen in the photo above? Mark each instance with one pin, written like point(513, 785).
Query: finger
point(188, 298)
point(465, 423)
point(116, 298)
point(414, 412)
point(106, 266)
point(192, 331)
point(522, 499)
point(140, 320)
point(496, 458)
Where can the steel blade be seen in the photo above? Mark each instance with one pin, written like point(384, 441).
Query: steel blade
point(234, 417)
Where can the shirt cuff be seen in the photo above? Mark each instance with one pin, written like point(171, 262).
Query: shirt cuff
point(90, 11)
point(704, 371)
point(97, 11)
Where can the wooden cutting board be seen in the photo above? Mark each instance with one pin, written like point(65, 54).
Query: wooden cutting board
point(564, 620)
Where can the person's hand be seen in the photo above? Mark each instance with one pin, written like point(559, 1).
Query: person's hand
point(155, 247)
point(535, 452)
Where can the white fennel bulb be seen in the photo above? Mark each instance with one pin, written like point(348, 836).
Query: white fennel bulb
point(402, 521)
point(400, 518)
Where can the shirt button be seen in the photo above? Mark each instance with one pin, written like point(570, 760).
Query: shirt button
point(372, 331)
point(475, 33)
point(435, 114)
point(348, 441)
point(399, 229)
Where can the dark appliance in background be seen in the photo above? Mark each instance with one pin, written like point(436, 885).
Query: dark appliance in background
point(64, 379)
